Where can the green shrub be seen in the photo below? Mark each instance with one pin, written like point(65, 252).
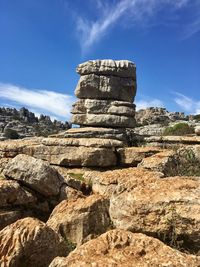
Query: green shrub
point(11, 134)
point(181, 128)
point(197, 117)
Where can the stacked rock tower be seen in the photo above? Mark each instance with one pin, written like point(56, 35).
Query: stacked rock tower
point(106, 92)
point(105, 112)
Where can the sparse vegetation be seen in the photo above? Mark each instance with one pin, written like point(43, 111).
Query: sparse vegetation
point(11, 134)
point(179, 129)
point(77, 176)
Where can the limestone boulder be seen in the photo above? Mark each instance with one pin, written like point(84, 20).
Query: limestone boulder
point(132, 156)
point(94, 106)
point(106, 87)
point(106, 182)
point(121, 68)
point(123, 248)
point(29, 242)
point(12, 194)
point(104, 120)
point(82, 219)
point(76, 156)
point(164, 161)
point(197, 130)
point(168, 208)
point(35, 174)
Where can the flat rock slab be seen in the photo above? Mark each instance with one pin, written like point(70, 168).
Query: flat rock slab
point(190, 140)
point(121, 68)
point(104, 120)
point(94, 132)
point(122, 248)
point(106, 87)
point(76, 142)
point(29, 242)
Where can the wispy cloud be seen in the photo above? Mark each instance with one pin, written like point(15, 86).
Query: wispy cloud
point(187, 104)
point(148, 102)
point(113, 12)
point(40, 101)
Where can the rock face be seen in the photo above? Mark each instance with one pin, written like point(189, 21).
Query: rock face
point(34, 173)
point(82, 219)
point(123, 248)
point(167, 208)
point(29, 242)
point(106, 90)
point(26, 124)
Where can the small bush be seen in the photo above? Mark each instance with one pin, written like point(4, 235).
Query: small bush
point(197, 117)
point(179, 129)
point(11, 134)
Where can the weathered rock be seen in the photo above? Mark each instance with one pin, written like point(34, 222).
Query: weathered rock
point(76, 156)
point(82, 219)
point(105, 182)
point(123, 248)
point(77, 142)
point(131, 156)
point(106, 87)
point(121, 68)
point(10, 216)
point(29, 242)
point(10, 149)
point(104, 120)
point(94, 106)
point(34, 173)
point(197, 130)
point(12, 194)
point(94, 132)
point(164, 161)
point(26, 124)
point(167, 208)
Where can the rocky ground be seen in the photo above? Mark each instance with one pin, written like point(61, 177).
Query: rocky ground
point(26, 124)
point(141, 209)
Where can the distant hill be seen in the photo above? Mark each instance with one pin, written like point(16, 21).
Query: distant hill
point(23, 123)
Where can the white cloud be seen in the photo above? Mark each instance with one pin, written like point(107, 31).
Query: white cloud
point(145, 103)
point(91, 32)
point(40, 101)
point(187, 104)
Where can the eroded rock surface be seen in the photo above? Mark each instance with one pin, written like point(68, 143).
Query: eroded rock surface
point(34, 173)
point(82, 219)
point(167, 208)
point(29, 242)
point(123, 248)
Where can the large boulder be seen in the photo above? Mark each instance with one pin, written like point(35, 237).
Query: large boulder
point(106, 182)
point(123, 248)
point(29, 242)
point(35, 174)
point(81, 219)
point(167, 208)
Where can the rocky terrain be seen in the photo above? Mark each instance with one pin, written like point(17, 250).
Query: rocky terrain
point(26, 124)
point(154, 120)
point(86, 197)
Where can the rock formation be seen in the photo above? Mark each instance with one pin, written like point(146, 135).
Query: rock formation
point(26, 124)
point(106, 92)
point(84, 197)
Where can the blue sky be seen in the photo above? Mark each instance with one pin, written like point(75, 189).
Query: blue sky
point(42, 42)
